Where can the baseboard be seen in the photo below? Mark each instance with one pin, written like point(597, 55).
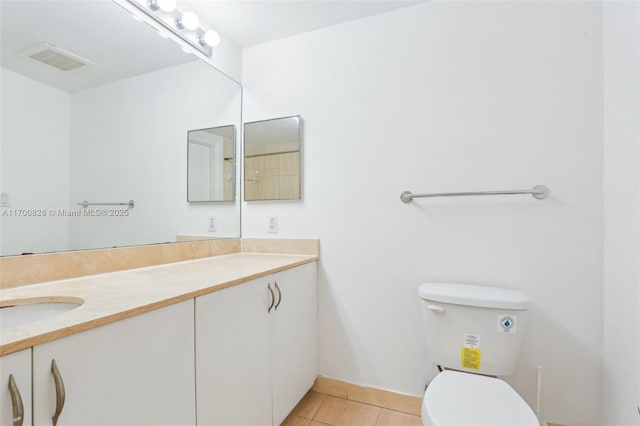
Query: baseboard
point(382, 398)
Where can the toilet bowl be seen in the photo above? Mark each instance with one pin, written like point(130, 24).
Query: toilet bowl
point(455, 398)
point(474, 333)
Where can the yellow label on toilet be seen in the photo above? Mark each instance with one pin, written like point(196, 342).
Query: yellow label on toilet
point(471, 358)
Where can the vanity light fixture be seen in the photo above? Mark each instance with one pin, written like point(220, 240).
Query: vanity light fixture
point(185, 26)
point(188, 20)
point(210, 38)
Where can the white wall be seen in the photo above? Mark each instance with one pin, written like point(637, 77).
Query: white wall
point(129, 141)
point(621, 56)
point(447, 96)
point(35, 123)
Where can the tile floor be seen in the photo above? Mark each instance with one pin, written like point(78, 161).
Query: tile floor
point(318, 409)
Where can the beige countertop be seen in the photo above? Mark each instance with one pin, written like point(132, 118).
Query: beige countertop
point(113, 296)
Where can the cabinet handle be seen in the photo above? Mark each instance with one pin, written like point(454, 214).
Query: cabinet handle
point(60, 393)
point(16, 402)
point(273, 298)
point(279, 296)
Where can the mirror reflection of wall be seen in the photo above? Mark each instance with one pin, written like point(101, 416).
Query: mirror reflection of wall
point(110, 131)
point(272, 159)
point(211, 164)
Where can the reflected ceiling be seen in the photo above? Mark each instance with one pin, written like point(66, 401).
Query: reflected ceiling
point(135, 51)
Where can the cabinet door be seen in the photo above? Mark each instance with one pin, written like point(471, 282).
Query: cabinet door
point(233, 360)
point(18, 365)
point(294, 338)
point(137, 371)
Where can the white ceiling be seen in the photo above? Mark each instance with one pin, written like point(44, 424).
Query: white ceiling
point(253, 22)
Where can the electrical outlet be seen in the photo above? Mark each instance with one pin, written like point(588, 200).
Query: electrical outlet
point(213, 224)
point(272, 227)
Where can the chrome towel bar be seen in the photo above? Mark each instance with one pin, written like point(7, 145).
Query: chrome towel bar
point(86, 204)
point(539, 192)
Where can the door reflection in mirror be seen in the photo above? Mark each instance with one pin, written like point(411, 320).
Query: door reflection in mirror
point(211, 164)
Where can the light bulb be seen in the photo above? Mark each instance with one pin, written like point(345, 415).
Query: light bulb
point(210, 38)
point(167, 5)
point(189, 21)
point(164, 5)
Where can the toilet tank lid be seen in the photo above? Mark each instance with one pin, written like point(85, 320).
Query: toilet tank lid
point(474, 295)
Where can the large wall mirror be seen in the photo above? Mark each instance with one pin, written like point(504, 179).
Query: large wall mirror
point(272, 159)
point(96, 107)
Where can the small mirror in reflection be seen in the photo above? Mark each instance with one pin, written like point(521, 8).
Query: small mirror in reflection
point(211, 164)
point(272, 159)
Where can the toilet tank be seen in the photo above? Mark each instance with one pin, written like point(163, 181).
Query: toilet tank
point(474, 328)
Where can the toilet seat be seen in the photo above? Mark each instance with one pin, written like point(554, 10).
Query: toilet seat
point(457, 398)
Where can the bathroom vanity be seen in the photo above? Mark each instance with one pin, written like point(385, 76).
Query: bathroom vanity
point(229, 339)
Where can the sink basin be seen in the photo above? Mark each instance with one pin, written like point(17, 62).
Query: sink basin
point(18, 312)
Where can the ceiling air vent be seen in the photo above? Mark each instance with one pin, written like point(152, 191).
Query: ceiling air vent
point(55, 57)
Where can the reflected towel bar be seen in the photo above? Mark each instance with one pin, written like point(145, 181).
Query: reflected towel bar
point(539, 192)
point(86, 204)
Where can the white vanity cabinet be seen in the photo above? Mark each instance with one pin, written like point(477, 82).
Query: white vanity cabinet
point(256, 348)
point(294, 338)
point(136, 371)
point(233, 361)
point(15, 399)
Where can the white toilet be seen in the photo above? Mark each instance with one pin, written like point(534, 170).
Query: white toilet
point(474, 334)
